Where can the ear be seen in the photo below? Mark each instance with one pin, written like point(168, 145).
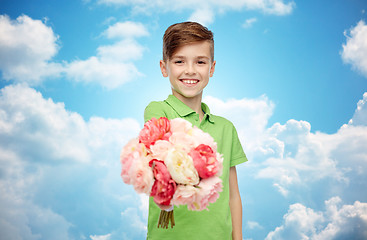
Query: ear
point(212, 68)
point(163, 67)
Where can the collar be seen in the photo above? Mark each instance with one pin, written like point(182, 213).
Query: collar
point(183, 110)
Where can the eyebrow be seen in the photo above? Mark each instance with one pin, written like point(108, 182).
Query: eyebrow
point(203, 57)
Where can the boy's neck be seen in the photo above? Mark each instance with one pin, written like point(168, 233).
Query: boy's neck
point(194, 103)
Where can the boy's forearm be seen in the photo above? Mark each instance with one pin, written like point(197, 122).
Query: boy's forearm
point(236, 212)
point(235, 204)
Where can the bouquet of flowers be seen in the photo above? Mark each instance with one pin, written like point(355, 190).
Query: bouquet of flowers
point(175, 163)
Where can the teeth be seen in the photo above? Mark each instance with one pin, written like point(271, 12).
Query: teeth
point(190, 81)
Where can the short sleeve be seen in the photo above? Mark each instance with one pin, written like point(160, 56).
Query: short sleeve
point(154, 110)
point(238, 155)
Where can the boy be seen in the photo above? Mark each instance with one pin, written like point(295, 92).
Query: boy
point(188, 62)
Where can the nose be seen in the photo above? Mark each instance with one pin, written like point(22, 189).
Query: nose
point(190, 69)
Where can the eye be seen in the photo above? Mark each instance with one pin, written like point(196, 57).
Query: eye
point(178, 62)
point(201, 62)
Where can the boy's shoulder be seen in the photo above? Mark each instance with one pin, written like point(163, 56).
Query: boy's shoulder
point(219, 120)
point(155, 109)
point(155, 104)
point(216, 118)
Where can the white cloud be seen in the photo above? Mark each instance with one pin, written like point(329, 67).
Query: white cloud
point(126, 29)
point(249, 22)
point(345, 222)
point(204, 16)
point(299, 157)
point(144, 205)
point(131, 215)
point(302, 165)
point(277, 7)
point(289, 154)
point(113, 65)
point(250, 117)
point(100, 237)
point(360, 114)
point(21, 219)
point(28, 120)
point(299, 223)
point(32, 122)
point(302, 158)
point(355, 49)
point(207, 9)
point(108, 74)
point(27, 47)
point(55, 168)
point(120, 52)
point(253, 225)
point(279, 187)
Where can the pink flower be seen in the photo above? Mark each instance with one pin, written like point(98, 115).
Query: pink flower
point(160, 148)
point(125, 170)
point(182, 140)
point(154, 129)
point(184, 195)
point(133, 146)
point(162, 192)
point(164, 187)
point(205, 161)
point(180, 125)
point(163, 123)
point(201, 137)
point(141, 176)
point(160, 171)
point(208, 193)
point(130, 154)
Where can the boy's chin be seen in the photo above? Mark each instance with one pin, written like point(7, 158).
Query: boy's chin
point(186, 95)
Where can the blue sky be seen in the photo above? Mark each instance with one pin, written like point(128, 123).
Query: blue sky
point(77, 75)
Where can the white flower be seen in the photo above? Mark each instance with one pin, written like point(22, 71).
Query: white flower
point(181, 167)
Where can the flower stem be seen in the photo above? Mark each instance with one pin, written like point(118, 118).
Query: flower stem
point(165, 218)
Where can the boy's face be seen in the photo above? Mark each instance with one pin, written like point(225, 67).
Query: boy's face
point(189, 70)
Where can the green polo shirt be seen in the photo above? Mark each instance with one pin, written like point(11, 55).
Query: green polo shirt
point(214, 223)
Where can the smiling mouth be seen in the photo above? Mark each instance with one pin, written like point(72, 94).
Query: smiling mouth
point(189, 81)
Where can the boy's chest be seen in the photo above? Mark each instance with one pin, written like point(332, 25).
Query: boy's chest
point(219, 133)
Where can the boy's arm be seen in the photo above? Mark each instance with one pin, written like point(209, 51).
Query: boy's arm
point(235, 205)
